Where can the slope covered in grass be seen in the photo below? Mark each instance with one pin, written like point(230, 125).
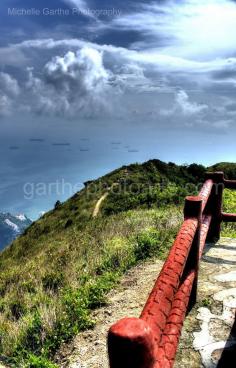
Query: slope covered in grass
point(229, 198)
point(65, 263)
point(229, 169)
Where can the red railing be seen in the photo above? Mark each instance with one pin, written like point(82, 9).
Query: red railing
point(151, 341)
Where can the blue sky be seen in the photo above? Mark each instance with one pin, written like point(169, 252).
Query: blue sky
point(77, 76)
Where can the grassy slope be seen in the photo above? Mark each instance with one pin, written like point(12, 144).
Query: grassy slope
point(65, 263)
point(229, 203)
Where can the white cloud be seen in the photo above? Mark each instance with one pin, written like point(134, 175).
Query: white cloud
point(155, 58)
point(12, 56)
point(82, 6)
point(5, 105)
point(218, 125)
point(131, 77)
point(186, 106)
point(79, 4)
point(8, 84)
point(192, 29)
point(74, 84)
point(183, 106)
point(194, 36)
point(222, 124)
point(181, 46)
point(9, 90)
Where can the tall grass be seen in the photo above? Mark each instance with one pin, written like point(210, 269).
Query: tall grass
point(49, 299)
point(229, 206)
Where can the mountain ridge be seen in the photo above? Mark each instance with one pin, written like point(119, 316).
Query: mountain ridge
point(12, 226)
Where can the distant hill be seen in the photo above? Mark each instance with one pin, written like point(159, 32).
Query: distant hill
point(11, 226)
point(63, 265)
point(229, 169)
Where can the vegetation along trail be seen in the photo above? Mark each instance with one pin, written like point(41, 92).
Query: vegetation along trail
point(88, 349)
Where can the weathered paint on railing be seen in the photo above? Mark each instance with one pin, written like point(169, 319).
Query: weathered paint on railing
point(151, 341)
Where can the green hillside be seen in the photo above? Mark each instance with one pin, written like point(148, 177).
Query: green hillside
point(229, 169)
point(229, 202)
point(65, 263)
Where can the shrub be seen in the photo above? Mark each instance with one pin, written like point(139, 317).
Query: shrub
point(207, 302)
point(68, 223)
point(96, 290)
point(52, 281)
point(28, 286)
point(17, 309)
point(77, 314)
point(33, 336)
point(34, 361)
point(118, 256)
point(57, 205)
point(147, 244)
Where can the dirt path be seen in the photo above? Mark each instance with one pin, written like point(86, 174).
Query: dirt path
point(102, 199)
point(88, 350)
point(98, 204)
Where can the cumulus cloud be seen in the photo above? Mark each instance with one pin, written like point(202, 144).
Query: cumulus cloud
point(154, 57)
point(5, 105)
point(131, 77)
point(191, 36)
point(9, 85)
point(77, 83)
point(9, 90)
point(12, 55)
point(184, 106)
point(179, 47)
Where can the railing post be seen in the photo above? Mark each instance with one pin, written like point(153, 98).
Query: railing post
point(131, 344)
point(214, 207)
point(193, 209)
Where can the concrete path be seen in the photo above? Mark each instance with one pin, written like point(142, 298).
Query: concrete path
point(209, 335)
